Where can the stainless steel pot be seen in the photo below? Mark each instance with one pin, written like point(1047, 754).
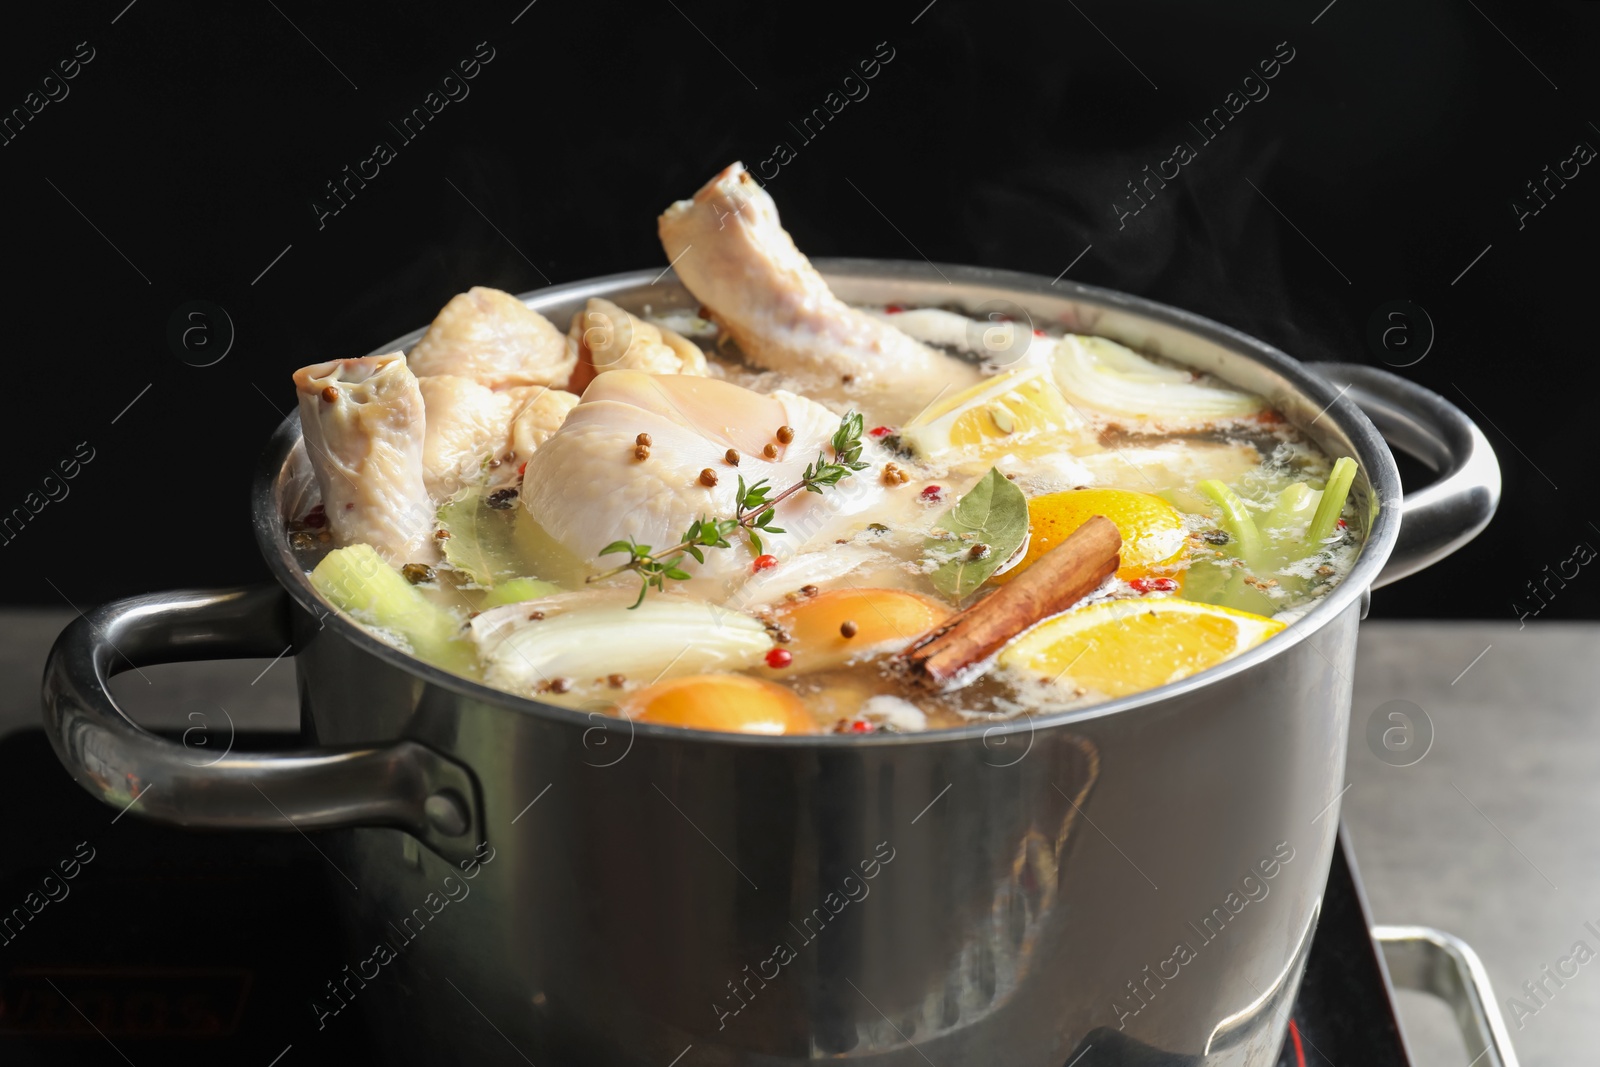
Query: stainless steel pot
point(1136, 878)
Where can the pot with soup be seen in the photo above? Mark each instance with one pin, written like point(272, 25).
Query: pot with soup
point(873, 661)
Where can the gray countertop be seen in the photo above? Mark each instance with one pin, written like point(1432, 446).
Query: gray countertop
point(1489, 835)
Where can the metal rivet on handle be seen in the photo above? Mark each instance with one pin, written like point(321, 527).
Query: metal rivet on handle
point(446, 813)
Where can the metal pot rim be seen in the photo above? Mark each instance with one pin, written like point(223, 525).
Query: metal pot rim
point(1372, 452)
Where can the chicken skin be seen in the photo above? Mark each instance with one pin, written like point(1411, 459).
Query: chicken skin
point(363, 422)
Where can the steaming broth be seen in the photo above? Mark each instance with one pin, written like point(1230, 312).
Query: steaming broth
point(883, 545)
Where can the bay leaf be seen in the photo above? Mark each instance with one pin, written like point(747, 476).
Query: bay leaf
point(995, 515)
point(482, 541)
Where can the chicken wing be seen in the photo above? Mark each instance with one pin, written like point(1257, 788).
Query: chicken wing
point(539, 414)
point(729, 249)
point(363, 423)
point(471, 427)
point(494, 339)
point(608, 338)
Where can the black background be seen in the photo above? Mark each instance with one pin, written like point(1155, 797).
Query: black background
point(188, 153)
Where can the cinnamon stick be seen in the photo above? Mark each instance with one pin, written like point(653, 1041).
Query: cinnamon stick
point(1052, 583)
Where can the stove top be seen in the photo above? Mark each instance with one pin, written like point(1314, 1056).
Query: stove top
point(1344, 1012)
point(180, 948)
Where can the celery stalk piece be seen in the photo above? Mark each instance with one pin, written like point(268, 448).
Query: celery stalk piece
point(516, 590)
point(1297, 502)
point(1329, 508)
point(1236, 517)
point(1208, 583)
point(358, 582)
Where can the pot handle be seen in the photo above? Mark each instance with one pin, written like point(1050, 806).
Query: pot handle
point(1438, 519)
point(404, 784)
point(1434, 962)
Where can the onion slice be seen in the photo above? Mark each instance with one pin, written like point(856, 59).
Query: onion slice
point(1118, 381)
point(663, 638)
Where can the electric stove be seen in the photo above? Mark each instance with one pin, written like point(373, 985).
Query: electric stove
point(127, 941)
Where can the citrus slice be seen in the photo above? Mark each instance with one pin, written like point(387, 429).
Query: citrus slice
point(1119, 647)
point(1154, 539)
point(1012, 405)
point(732, 703)
point(840, 626)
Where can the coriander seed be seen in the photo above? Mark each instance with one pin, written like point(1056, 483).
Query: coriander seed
point(416, 573)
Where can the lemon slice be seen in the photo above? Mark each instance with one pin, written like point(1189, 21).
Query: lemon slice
point(1154, 539)
point(1119, 647)
point(1016, 404)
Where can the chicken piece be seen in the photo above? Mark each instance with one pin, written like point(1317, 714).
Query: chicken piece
point(539, 414)
point(729, 249)
point(586, 486)
point(363, 425)
point(465, 421)
point(470, 425)
point(608, 338)
point(494, 339)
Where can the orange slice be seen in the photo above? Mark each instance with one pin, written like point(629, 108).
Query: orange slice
point(1154, 540)
point(1119, 647)
point(732, 703)
point(878, 621)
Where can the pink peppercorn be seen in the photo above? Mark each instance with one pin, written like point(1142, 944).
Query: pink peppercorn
point(1153, 585)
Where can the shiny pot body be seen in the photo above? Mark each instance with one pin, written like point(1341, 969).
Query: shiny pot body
point(1136, 882)
point(1150, 876)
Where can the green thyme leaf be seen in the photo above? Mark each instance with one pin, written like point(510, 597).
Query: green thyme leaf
point(755, 508)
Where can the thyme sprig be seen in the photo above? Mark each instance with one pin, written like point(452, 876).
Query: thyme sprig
point(755, 507)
